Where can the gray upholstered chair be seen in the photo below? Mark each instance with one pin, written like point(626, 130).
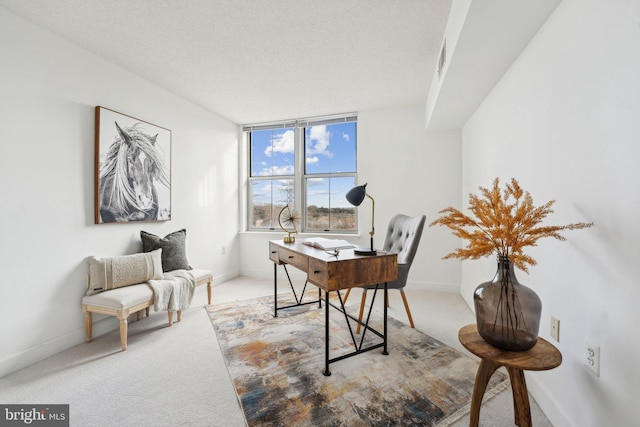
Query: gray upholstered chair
point(403, 236)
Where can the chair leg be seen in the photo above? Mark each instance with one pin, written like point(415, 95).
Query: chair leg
point(170, 314)
point(362, 302)
point(406, 306)
point(346, 295)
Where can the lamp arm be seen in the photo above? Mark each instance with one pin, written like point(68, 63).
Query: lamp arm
point(373, 210)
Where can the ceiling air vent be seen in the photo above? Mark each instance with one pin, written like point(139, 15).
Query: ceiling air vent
point(443, 58)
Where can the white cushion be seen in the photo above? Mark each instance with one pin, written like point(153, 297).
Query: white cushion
point(121, 298)
point(201, 276)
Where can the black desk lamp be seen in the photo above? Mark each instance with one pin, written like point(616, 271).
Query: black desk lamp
point(355, 196)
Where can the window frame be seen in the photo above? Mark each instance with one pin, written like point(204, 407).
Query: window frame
point(300, 177)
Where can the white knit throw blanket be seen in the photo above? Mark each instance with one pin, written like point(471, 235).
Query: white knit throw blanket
point(174, 292)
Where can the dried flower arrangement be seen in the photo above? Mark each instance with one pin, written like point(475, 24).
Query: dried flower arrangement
point(502, 225)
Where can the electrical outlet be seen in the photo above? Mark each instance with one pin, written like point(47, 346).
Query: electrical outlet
point(592, 358)
point(555, 328)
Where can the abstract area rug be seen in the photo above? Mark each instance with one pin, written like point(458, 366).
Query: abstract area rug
point(276, 365)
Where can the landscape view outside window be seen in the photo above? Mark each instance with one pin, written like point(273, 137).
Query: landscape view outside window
point(329, 172)
point(330, 152)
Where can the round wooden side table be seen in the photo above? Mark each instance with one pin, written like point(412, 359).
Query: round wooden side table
point(541, 357)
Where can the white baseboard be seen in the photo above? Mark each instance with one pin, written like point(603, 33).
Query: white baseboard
point(225, 277)
point(435, 286)
point(31, 355)
point(101, 325)
point(556, 415)
point(299, 275)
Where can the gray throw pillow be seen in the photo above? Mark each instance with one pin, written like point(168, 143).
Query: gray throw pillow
point(174, 249)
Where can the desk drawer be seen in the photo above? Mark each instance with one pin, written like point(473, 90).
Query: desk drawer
point(298, 260)
point(318, 272)
point(273, 253)
point(350, 273)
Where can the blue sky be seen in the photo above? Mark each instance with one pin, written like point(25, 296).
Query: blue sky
point(329, 149)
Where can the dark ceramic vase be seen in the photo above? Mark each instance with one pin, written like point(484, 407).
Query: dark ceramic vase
point(507, 312)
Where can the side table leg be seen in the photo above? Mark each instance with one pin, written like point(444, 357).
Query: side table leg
point(485, 370)
point(521, 408)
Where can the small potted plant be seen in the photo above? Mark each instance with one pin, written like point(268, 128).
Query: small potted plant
point(504, 222)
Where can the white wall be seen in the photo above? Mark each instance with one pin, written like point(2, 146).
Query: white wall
point(564, 122)
point(48, 91)
point(408, 171)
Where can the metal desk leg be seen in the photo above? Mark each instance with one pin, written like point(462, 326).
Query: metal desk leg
point(326, 335)
point(386, 302)
point(275, 290)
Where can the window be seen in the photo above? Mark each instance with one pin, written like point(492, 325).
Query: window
point(307, 164)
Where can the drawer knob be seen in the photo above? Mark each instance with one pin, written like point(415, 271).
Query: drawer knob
point(273, 252)
point(316, 271)
point(290, 256)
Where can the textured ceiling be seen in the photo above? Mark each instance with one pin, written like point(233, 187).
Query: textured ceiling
point(253, 61)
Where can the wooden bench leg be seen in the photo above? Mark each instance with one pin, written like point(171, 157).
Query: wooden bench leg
point(170, 317)
point(146, 311)
point(123, 332)
point(138, 315)
point(88, 325)
point(179, 315)
point(209, 293)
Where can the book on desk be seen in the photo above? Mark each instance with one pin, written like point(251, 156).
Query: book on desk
point(328, 244)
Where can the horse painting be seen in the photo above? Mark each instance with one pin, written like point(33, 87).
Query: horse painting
point(128, 177)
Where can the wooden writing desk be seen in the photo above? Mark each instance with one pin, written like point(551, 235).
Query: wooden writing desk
point(334, 273)
point(541, 357)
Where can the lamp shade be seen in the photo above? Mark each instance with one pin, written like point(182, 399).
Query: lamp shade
point(355, 196)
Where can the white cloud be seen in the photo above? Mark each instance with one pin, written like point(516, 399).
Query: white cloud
point(277, 170)
point(283, 143)
point(319, 141)
point(315, 182)
point(282, 170)
point(312, 160)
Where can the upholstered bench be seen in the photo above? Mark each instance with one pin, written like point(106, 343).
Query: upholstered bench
point(121, 302)
point(160, 276)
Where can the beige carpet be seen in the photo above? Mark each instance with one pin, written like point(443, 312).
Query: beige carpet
point(276, 365)
point(176, 376)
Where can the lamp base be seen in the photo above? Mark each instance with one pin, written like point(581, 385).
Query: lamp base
point(360, 250)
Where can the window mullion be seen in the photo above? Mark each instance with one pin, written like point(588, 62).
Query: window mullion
point(299, 175)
